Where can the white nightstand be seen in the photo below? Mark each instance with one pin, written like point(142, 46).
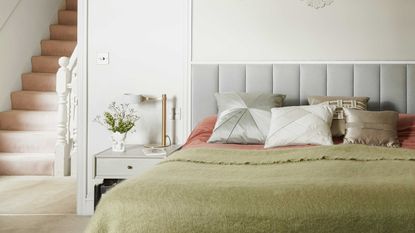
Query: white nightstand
point(113, 167)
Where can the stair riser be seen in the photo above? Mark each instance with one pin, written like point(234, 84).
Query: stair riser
point(27, 142)
point(59, 32)
point(67, 17)
point(72, 5)
point(28, 122)
point(21, 166)
point(27, 101)
point(31, 82)
point(57, 48)
point(41, 85)
point(45, 64)
point(26, 126)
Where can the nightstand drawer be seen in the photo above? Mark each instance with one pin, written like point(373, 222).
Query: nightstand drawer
point(123, 167)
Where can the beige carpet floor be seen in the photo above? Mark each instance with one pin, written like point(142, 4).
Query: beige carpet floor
point(37, 195)
point(39, 204)
point(43, 224)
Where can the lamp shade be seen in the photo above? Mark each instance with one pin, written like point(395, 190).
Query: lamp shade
point(133, 98)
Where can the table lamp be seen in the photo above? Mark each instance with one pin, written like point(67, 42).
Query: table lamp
point(138, 99)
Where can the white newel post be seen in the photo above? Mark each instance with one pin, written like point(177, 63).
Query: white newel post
point(62, 150)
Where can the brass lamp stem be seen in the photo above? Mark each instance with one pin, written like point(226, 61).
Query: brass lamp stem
point(163, 120)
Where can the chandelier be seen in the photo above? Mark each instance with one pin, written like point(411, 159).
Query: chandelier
point(317, 4)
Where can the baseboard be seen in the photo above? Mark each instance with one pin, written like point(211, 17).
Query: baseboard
point(85, 207)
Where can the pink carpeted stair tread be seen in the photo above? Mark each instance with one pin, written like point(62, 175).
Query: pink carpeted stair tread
point(67, 17)
point(63, 32)
point(24, 164)
point(45, 64)
point(27, 141)
point(39, 82)
point(20, 120)
point(34, 100)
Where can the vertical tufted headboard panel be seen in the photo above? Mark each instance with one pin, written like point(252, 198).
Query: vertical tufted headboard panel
point(389, 86)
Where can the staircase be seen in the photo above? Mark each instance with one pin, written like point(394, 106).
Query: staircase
point(28, 132)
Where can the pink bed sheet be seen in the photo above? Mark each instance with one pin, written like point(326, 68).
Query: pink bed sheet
point(406, 130)
point(201, 134)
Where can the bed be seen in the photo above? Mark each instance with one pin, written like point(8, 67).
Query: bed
point(245, 188)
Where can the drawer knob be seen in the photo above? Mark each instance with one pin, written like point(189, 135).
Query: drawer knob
point(130, 167)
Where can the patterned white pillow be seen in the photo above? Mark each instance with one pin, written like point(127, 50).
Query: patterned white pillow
point(244, 118)
point(301, 125)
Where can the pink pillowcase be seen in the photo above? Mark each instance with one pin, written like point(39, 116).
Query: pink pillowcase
point(406, 130)
point(202, 132)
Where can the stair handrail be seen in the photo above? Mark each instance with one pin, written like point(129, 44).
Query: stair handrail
point(66, 89)
point(10, 15)
point(73, 60)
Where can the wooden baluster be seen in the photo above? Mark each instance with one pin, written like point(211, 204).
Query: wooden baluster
point(74, 121)
point(62, 150)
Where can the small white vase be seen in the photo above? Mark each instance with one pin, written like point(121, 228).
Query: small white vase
point(118, 141)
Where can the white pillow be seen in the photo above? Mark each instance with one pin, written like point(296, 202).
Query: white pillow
point(244, 118)
point(301, 125)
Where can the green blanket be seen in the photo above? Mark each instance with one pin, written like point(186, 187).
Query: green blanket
point(346, 188)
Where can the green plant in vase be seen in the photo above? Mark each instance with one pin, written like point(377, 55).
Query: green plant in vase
point(119, 119)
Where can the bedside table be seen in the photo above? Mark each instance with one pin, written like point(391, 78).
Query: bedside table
point(112, 168)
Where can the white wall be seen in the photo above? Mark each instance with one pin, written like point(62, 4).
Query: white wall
point(6, 8)
point(20, 39)
point(253, 30)
point(146, 41)
point(146, 45)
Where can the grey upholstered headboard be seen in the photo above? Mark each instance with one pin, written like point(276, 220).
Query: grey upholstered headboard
point(389, 86)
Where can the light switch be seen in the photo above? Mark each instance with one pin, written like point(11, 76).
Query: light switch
point(103, 58)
